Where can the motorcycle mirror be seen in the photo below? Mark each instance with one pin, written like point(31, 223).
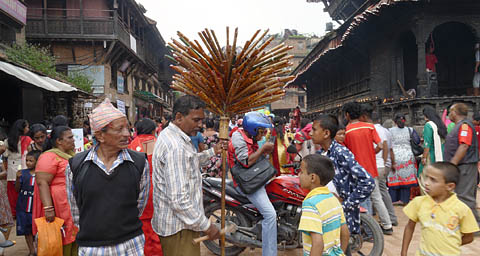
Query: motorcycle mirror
point(292, 149)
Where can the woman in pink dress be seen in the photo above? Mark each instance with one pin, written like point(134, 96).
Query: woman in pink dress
point(50, 195)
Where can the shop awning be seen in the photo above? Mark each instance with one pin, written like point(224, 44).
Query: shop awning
point(43, 82)
point(145, 95)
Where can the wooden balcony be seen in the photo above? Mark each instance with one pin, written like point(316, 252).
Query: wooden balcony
point(330, 99)
point(74, 24)
point(342, 9)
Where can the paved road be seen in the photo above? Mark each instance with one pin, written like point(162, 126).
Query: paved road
point(392, 243)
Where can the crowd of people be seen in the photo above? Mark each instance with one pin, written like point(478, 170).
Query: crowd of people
point(139, 191)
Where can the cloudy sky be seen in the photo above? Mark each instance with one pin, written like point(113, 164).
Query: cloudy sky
point(192, 16)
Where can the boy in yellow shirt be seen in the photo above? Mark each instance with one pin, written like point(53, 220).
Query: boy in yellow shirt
point(323, 224)
point(447, 223)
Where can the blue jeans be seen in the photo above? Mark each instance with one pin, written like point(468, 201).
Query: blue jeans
point(367, 204)
point(269, 222)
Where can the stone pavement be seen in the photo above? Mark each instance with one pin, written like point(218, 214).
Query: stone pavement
point(393, 243)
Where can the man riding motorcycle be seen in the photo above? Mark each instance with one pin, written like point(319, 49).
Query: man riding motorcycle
point(244, 150)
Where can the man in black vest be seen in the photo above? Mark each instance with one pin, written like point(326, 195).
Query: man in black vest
point(461, 149)
point(107, 188)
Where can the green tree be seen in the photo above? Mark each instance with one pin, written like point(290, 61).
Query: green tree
point(41, 60)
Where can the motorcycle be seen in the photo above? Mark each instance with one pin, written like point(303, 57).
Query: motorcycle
point(286, 196)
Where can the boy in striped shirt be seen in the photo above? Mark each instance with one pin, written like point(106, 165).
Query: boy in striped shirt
point(323, 223)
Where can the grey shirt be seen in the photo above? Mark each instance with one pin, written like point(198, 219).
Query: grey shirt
point(241, 147)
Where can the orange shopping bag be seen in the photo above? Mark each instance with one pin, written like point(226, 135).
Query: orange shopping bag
point(49, 237)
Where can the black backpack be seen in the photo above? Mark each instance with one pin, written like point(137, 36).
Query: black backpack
point(79, 168)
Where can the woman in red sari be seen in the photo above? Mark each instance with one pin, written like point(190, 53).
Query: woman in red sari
point(145, 142)
point(50, 193)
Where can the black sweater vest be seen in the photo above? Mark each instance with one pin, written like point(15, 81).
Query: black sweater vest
point(108, 206)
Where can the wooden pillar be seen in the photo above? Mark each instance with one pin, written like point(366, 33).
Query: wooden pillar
point(421, 37)
point(423, 89)
point(128, 20)
point(45, 26)
point(81, 16)
point(116, 7)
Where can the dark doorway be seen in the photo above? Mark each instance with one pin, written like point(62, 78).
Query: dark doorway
point(11, 104)
point(410, 60)
point(454, 48)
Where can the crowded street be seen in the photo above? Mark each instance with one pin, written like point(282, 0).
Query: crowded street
point(392, 243)
point(221, 127)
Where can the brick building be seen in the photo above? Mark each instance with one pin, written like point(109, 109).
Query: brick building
point(29, 94)
point(13, 14)
point(294, 95)
point(113, 43)
point(379, 55)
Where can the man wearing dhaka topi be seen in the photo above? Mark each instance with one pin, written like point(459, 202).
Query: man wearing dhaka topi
point(107, 188)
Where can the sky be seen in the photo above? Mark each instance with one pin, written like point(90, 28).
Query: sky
point(193, 16)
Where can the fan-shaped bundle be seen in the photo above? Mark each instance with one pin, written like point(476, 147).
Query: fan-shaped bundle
point(230, 81)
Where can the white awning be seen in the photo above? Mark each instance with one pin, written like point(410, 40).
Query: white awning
point(43, 82)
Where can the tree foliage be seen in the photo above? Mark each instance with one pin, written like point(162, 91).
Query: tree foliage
point(41, 60)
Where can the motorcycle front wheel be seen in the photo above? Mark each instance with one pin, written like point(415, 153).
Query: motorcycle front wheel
point(370, 240)
point(212, 212)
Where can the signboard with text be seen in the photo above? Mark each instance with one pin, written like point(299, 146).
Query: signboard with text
point(78, 137)
point(121, 106)
point(120, 84)
point(95, 73)
point(15, 9)
point(133, 43)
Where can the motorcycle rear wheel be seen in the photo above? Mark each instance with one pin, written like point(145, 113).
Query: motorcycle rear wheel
point(212, 212)
point(370, 237)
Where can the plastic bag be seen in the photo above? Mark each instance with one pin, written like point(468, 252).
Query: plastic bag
point(49, 237)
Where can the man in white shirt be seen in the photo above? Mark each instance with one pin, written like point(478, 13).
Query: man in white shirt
point(179, 215)
point(384, 166)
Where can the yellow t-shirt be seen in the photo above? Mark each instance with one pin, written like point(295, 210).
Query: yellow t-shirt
point(442, 224)
point(322, 213)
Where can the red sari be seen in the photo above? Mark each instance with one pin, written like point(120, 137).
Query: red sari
point(152, 241)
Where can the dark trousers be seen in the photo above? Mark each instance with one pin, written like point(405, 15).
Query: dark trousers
point(466, 188)
point(181, 244)
point(400, 194)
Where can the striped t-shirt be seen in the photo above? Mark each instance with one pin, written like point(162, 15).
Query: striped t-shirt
point(322, 213)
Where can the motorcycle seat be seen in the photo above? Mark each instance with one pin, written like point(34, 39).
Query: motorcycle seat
point(230, 189)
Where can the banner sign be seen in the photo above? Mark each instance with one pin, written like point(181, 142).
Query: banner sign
point(78, 137)
point(121, 106)
point(95, 73)
point(15, 9)
point(120, 84)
